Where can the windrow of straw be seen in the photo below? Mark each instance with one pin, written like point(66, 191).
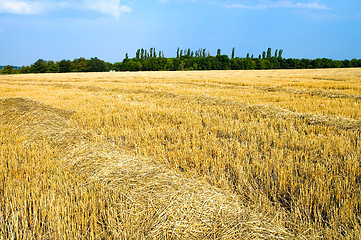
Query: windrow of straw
point(339, 122)
point(327, 94)
point(101, 191)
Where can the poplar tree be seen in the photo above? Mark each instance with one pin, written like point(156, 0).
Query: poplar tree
point(218, 52)
point(269, 53)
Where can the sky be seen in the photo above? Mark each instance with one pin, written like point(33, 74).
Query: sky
point(108, 29)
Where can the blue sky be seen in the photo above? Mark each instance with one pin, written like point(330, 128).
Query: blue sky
point(108, 29)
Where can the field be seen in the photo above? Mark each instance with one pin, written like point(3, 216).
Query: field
point(181, 155)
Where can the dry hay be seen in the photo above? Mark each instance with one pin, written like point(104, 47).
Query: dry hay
point(37, 121)
point(335, 121)
point(179, 207)
point(320, 93)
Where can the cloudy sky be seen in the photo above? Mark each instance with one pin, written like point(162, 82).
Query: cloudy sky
point(108, 29)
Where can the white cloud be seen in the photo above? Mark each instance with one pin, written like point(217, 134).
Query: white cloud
point(287, 4)
point(20, 7)
point(314, 5)
point(109, 7)
point(243, 6)
point(280, 4)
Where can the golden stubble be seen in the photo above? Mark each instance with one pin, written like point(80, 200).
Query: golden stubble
point(182, 154)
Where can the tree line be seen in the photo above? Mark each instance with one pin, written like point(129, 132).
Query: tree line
point(201, 59)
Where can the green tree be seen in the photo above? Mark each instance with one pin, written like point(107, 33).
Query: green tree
point(52, 67)
point(40, 66)
point(25, 69)
point(218, 52)
point(355, 63)
point(64, 66)
point(117, 66)
point(96, 65)
point(80, 65)
point(269, 53)
point(233, 49)
point(8, 70)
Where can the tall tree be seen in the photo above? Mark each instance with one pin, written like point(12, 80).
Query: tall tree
point(233, 49)
point(269, 53)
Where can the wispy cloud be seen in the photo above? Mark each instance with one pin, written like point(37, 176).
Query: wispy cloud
point(109, 7)
point(1, 29)
point(24, 7)
point(280, 4)
point(20, 7)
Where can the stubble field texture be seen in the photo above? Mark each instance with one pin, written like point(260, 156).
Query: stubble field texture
point(181, 155)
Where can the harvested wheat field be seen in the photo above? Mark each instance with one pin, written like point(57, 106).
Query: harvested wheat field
point(181, 155)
